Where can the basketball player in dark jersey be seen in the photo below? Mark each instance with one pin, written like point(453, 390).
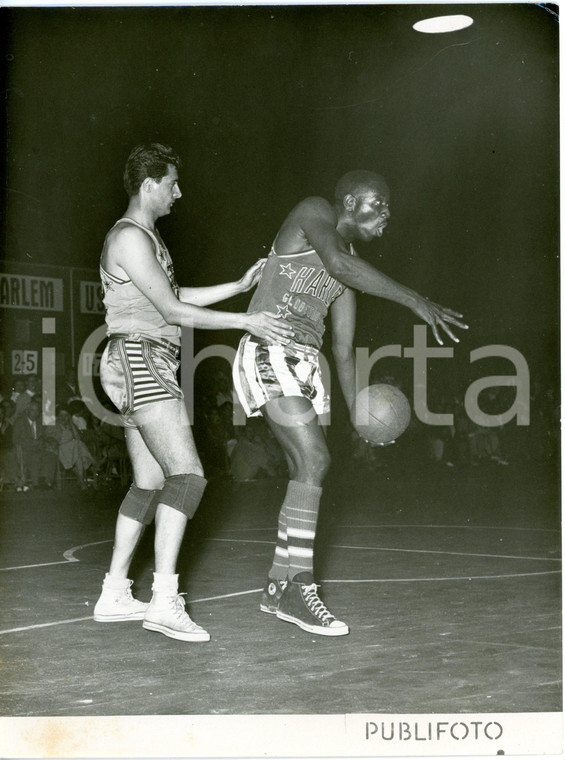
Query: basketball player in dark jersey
point(312, 267)
point(144, 311)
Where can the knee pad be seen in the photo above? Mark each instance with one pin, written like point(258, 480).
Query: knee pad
point(139, 504)
point(182, 492)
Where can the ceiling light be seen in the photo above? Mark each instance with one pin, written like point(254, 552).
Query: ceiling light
point(441, 24)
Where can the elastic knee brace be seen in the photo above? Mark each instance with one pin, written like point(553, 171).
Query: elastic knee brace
point(182, 492)
point(139, 504)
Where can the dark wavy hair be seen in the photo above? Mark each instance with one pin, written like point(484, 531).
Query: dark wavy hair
point(150, 160)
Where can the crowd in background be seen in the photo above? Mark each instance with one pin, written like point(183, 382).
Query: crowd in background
point(81, 450)
point(42, 447)
point(248, 452)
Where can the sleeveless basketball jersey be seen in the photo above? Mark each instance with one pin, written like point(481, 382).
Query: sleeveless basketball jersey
point(299, 288)
point(128, 311)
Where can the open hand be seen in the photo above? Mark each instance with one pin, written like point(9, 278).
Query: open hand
point(439, 317)
point(252, 276)
point(265, 324)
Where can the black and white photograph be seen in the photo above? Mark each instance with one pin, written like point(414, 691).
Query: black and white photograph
point(280, 461)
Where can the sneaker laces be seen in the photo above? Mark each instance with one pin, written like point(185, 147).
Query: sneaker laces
point(179, 604)
point(180, 612)
point(127, 591)
point(315, 604)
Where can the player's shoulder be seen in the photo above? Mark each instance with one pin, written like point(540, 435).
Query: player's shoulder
point(315, 205)
point(125, 235)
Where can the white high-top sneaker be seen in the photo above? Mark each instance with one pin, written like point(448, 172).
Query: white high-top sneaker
point(166, 613)
point(116, 602)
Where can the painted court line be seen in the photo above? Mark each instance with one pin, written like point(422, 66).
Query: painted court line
point(68, 555)
point(42, 564)
point(407, 525)
point(446, 578)
point(456, 527)
point(388, 549)
point(90, 617)
point(257, 590)
point(225, 596)
point(436, 551)
point(46, 625)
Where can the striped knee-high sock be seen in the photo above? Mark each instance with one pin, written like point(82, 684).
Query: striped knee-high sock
point(302, 502)
point(279, 569)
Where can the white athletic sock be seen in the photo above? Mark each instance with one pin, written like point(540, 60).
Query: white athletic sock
point(115, 582)
point(165, 584)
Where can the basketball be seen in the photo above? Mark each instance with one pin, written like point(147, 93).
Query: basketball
point(381, 413)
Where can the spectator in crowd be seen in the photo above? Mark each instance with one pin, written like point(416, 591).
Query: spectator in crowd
point(222, 389)
point(18, 390)
point(36, 459)
point(214, 442)
point(68, 389)
point(18, 387)
point(8, 461)
point(31, 388)
point(83, 420)
point(111, 449)
point(439, 438)
point(249, 457)
point(72, 451)
point(462, 427)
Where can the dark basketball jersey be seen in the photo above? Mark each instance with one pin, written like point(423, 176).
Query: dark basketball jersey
point(298, 287)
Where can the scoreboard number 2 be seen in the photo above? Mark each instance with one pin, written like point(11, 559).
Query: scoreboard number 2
point(24, 362)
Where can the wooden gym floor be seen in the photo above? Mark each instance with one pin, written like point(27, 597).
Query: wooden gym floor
point(449, 580)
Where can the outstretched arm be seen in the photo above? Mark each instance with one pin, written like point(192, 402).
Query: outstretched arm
point(132, 250)
point(215, 293)
point(317, 220)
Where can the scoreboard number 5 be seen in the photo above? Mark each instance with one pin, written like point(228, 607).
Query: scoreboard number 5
point(24, 362)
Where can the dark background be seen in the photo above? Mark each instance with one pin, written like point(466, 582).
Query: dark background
point(269, 104)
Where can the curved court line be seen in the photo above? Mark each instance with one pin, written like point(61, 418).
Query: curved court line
point(68, 555)
point(387, 549)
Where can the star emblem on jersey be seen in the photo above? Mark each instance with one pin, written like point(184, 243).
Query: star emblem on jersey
point(284, 311)
point(287, 270)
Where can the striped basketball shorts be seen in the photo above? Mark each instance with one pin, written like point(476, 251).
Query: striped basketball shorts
point(136, 370)
point(263, 372)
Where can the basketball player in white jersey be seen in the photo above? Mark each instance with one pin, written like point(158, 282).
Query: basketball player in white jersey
point(144, 311)
point(313, 266)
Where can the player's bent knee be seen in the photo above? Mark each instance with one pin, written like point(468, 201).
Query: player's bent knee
point(315, 466)
point(320, 462)
point(182, 492)
point(139, 504)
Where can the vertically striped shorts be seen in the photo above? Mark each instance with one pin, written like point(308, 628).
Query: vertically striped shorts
point(138, 370)
point(263, 372)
